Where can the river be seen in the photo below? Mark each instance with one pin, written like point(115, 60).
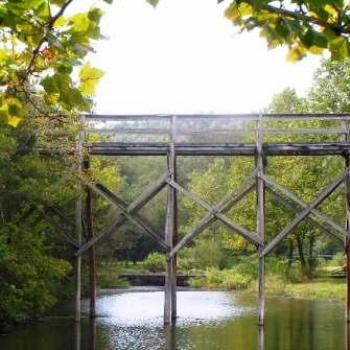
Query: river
point(207, 320)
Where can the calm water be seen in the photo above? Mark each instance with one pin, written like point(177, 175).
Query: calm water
point(207, 321)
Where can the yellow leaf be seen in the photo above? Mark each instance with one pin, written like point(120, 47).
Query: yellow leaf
point(89, 78)
point(316, 50)
point(233, 12)
point(13, 121)
point(296, 53)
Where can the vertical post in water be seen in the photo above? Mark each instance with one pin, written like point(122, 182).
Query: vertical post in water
point(260, 219)
point(92, 249)
point(347, 238)
point(171, 233)
point(78, 225)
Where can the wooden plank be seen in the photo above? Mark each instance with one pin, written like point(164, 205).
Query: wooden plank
point(136, 205)
point(78, 227)
point(329, 233)
point(273, 184)
point(170, 302)
point(250, 237)
point(137, 220)
point(217, 149)
point(244, 116)
point(347, 227)
point(92, 249)
point(260, 220)
point(229, 131)
point(294, 223)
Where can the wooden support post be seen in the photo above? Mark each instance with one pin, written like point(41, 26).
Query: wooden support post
point(347, 226)
point(79, 230)
point(78, 217)
point(260, 220)
point(171, 234)
point(92, 249)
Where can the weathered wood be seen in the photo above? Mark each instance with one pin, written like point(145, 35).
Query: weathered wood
point(273, 184)
point(170, 302)
point(244, 116)
point(208, 219)
point(250, 237)
point(239, 131)
point(136, 219)
point(260, 220)
point(217, 149)
point(294, 223)
point(136, 205)
point(347, 227)
point(92, 249)
point(329, 233)
point(78, 228)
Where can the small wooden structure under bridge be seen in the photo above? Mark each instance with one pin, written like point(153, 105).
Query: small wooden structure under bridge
point(211, 135)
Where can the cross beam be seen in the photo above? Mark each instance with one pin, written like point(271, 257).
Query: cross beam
point(136, 219)
point(135, 206)
point(304, 213)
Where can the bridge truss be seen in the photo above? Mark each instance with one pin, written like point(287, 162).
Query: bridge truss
point(252, 135)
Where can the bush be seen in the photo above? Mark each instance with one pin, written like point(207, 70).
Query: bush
point(155, 262)
point(108, 276)
point(229, 279)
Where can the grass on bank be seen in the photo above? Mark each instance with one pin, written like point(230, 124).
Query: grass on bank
point(242, 276)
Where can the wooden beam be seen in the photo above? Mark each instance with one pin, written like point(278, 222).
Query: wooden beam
point(250, 237)
point(92, 249)
point(347, 226)
point(294, 223)
point(329, 233)
point(78, 226)
point(273, 184)
point(208, 219)
point(136, 205)
point(136, 219)
point(170, 302)
point(242, 116)
point(219, 149)
point(260, 219)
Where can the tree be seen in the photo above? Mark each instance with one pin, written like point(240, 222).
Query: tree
point(39, 51)
point(306, 26)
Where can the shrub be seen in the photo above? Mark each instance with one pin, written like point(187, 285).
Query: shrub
point(155, 262)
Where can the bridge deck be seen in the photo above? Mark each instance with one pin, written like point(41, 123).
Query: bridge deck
point(206, 149)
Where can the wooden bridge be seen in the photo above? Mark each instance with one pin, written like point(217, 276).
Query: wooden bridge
point(211, 135)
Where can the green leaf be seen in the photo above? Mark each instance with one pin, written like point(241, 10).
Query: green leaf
point(89, 78)
point(339, 48)
point(154, 3)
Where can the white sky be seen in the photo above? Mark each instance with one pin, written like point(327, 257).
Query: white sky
point(186, 57)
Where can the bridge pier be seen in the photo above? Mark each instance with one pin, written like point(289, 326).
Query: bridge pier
point(170, 307)
point(260, 220)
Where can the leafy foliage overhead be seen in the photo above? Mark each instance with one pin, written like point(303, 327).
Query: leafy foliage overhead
point(41, 48)
point(309, 26)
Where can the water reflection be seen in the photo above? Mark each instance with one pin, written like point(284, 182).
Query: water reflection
point(207, 321)
point(261, 338)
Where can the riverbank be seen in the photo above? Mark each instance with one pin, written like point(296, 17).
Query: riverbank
point(111, 276)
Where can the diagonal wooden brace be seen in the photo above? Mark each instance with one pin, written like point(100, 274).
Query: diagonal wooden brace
point(274, 185)
point(132, 217)
point(304, 213)
point(208, 219)
point(321, 228)
point(253, 238)
point(120, 219)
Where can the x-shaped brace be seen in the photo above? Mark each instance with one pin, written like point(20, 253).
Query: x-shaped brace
point(216, 213)
point(308, 209)
point(127, 212)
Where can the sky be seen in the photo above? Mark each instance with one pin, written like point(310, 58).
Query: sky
point(185, 57)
